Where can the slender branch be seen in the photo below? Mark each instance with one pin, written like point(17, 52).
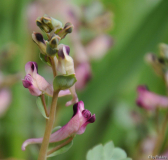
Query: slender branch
point(44, 104)
point(48, 129)
point(161, 136)
point(157, 120)
point(60, 146)
point(53, 66)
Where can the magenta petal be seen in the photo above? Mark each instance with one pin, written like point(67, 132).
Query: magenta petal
point(86, 113)
point(83, 127)
point(26, 83)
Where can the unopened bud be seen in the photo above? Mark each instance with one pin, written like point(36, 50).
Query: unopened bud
point(50, 51)
point(164, 50)
point(66, 30)
point(52, 45)
point(39, 40)
point(68, 27)
point(42, 26)
point(158, 64)
point(52, 23)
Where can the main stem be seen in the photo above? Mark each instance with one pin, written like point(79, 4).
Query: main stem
point(48, 129)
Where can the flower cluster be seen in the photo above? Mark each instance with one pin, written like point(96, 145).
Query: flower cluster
point(93, 45)
point(58, 57)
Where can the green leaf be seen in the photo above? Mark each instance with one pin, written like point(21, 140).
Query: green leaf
point(45, 59)
point(106, 152)
point(62, 150)
point(64, 82)
point(40, 107)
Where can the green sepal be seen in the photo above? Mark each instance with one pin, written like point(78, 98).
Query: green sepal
point(50, 51)
point(45, 59)
point(63, 82)
point(40, 107)
point(63, 149)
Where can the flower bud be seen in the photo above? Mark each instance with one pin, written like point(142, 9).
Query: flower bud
point(158, 64)
point(52, 45)
point(39, 40)
point(164, 50)
point(67, 29)
point(66, 64)
point(52, 23)
point(42, 26)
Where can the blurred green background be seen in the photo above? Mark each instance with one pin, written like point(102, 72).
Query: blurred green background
point(139, 26)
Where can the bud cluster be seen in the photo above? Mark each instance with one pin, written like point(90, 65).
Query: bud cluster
point(159, 64)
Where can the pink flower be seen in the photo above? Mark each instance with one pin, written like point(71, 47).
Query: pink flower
point(5, 99)
point(36, 84)
point(99, 46)
point(149, 100)
point(77, 125)
point(83, 75)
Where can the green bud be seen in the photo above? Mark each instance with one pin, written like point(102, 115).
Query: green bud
point(52, 23)
point(54, 41)
point(158, 64)
point(68, 27)
point(39, 40)
point(50, 51)
point(66, 30)
point(163, 50)
point(42, 26)
point(63, 82)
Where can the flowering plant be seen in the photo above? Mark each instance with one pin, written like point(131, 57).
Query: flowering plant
point(58, 57)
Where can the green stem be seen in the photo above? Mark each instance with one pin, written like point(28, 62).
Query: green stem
point(157, 120)
point(44, 104)
point(60, 146)
point(53, 66)
point(49, 127)
point(161, 136)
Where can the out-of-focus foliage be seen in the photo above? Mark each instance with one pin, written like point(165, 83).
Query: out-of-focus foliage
point(106, 152)
point(139, 26)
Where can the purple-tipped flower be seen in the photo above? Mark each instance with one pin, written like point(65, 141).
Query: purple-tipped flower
point(36, 84)
point(65, 65)
point(77, 125)
point(149, 100)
